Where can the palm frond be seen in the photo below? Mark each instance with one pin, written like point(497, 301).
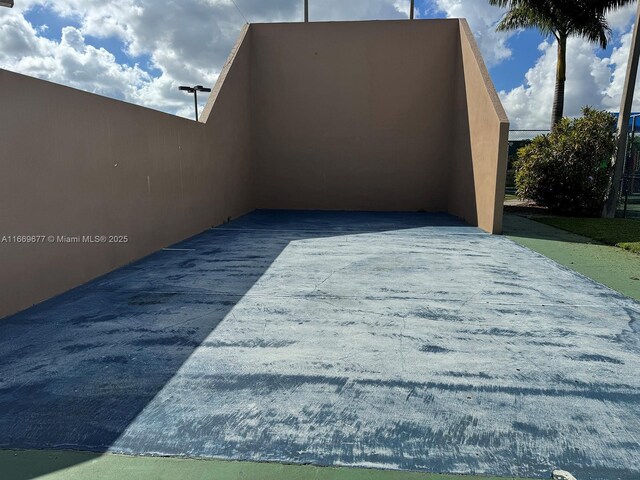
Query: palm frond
point(595, 29)
point(526, 17)
point(562, 18)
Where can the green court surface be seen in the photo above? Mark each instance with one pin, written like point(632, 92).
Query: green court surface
point(65, 465)
point(618, 232)
point(611, 266)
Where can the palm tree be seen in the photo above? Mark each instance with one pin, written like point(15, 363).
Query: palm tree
point(562, 19)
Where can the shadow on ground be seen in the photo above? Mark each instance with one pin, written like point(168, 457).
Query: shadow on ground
point(399, 341)
point(77, 370)
point(520, 225)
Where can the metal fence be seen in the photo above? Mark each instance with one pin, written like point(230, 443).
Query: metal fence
point(525, 135)
point(629, 200)
point(517, 140)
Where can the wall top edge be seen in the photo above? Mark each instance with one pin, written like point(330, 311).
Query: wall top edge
point(465, 31)
point(421, 21)
point(101, 97)
point(211, 101)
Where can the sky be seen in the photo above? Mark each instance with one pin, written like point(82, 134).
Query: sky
point(140, 51)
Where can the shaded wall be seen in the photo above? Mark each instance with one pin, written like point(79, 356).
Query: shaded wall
point(479, 160)
point(354, 116)
point(73, 163)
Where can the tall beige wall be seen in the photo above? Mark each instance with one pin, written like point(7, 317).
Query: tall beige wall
point(391, 115)
point(353, 115)
point(73, 163)
point(479, 160)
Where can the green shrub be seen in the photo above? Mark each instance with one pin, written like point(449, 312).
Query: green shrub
point(568, 169)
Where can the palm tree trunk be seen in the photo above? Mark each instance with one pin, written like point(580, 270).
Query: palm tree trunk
point(561, 78)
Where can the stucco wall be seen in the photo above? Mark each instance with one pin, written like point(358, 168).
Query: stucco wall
point(391, 115)
point(353, 116)
point(73, 163)
point(479, 160)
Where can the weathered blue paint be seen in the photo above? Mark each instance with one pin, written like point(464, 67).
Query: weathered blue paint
point(406, 341)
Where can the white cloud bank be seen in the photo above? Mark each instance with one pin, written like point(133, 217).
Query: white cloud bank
point(189, 40)
point(482, 19)
point(592, 79)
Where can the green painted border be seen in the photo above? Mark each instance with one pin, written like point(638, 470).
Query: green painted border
point(70, 465)
point(616, 268)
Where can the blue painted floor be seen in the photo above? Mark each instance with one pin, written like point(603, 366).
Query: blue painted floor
point(405, 341)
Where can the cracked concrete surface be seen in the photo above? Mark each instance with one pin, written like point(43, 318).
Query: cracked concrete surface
point(405, 341)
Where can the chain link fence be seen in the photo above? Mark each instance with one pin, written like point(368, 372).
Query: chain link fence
point(525, 135)
point(629, 201)
point(517, 140)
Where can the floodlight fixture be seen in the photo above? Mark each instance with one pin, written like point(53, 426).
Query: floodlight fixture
point(6, 3)
point(194, 90)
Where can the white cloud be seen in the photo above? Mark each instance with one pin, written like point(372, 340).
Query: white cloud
point(70, 62)
point(620, 20)
point(358, 9)
point(618, 63)
point(591, 80)
point(403, 7)
point(187, 41)
point(482, 18)
point(529, 105)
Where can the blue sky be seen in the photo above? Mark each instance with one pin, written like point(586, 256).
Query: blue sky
point(140, 50)
point(509, 73)
point(43, 15)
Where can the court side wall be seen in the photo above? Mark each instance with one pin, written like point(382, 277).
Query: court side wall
point(386, 115)
point(73, 164)
point(479, 160)
point(354, 115)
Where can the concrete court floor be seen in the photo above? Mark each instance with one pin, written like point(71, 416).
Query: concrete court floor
point(401, 341)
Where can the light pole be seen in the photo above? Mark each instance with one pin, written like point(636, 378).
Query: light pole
point(195, 90)
point(6, 3)
point(611, 206)
point(306, 11)
point(413, 4)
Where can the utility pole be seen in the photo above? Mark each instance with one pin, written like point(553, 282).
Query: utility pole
point(610, 207)
point(306, 11)
point(413, 4)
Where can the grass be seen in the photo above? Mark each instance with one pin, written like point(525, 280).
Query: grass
point(66, 465)
point(619, 232)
